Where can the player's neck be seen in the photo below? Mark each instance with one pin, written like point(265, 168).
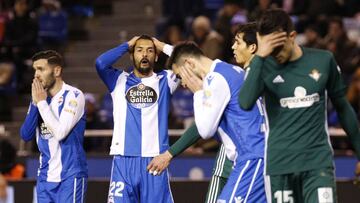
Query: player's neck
point(56, 88)
point(247, 63)
point(206, 64)
point(297, 53)
point(142, 75)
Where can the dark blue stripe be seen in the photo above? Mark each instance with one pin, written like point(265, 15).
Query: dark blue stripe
point(63, 102)
point(163, 112)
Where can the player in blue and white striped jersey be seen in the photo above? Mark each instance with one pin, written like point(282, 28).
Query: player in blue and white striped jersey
point(56, 118)
point(141, 102)
point(216, 86)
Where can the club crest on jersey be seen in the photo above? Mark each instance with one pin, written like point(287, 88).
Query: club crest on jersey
point(45, 133)
point(141, 96)
point(315, 74)
point(300, 99)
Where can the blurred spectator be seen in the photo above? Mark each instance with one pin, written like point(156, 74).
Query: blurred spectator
point(20, 40)
point(353, 93)
point(312, 37)
point(9, 167)
point(210, 41)
point(182, 106)
point(7, 88)
point(338, 42)
point(3, 186)
point(228, 17)
point(52, 25)
point(172, 36)
point(106, 110)
point(94, 121)
point(262, 6)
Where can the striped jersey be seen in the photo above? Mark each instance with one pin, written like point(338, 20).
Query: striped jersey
point(58, 125)
point(140, 106)
point(216, 108)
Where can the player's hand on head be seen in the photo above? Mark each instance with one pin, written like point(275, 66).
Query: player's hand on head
point(131, 42)
point(267, 43)
point(190, 79)
point(38, 92)
point(158, 44)
point(159, 163)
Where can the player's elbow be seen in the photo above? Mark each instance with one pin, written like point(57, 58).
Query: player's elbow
point(25, 134)
point(205, 132)
point(99, 64)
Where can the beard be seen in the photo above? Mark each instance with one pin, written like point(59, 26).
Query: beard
point(144, 70)
point(49, 82)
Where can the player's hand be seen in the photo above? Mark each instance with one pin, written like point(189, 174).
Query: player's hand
point(158, 44)
point(132, 42)
point(190, 79)
point(357, 169)
point(3, 185)
point(267, 43)
point(38, 92)
point(159, 163)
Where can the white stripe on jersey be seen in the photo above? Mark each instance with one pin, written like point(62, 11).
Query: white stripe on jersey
point(150, 124)
point(55, 168)
point(230, 147)
point(119, 115)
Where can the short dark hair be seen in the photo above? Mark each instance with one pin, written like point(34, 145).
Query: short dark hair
point(249, 31)
point(146, 37)
point(53, 57)
point(275, 20)
point(184, 48)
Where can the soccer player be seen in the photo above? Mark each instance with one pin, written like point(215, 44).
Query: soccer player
point(141, 102)
point(244, 47)
point(56, 118)
point(296, 82)
point(216, 85)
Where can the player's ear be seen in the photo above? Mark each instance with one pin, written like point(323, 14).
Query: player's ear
point(253, 48)
point(292, 35)
point(57, 71)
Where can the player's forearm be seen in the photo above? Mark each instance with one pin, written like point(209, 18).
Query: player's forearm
point(28, 128)
point(349, 122)
point(107, 59)
point(190, 136)
point(252, 87)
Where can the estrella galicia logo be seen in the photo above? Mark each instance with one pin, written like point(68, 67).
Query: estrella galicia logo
point(141, 96)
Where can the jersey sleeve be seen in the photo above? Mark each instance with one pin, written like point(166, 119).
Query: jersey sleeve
point(73, 110)
point(335, 84)
point(104, 63)
point(253, 85)
point(173, 82)
point(28, 128)
point(210, 103)
point(168, 49)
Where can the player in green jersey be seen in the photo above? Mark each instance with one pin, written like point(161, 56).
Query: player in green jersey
point(296, 82)
point(244, 47)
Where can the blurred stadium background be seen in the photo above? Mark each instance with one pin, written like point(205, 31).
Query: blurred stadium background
point(82, 29)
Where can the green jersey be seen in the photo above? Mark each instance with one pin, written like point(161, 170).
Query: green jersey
point(295, 96)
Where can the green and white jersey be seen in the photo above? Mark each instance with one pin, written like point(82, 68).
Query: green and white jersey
point(295, 96)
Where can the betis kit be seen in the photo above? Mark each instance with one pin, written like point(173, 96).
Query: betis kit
point(298, 150)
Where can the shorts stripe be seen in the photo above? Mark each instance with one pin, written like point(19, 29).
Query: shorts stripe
point(238, 180)
point(74, 194)
point(167, 173)
point(82, 191)
point(268, 188)
point(213, 190)
point(220, 162)
point(253, 180)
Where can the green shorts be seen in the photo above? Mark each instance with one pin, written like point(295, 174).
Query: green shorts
point(314, 186)
point(221, 172)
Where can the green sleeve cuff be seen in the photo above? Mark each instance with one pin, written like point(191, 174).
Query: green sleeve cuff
point(190, 136)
